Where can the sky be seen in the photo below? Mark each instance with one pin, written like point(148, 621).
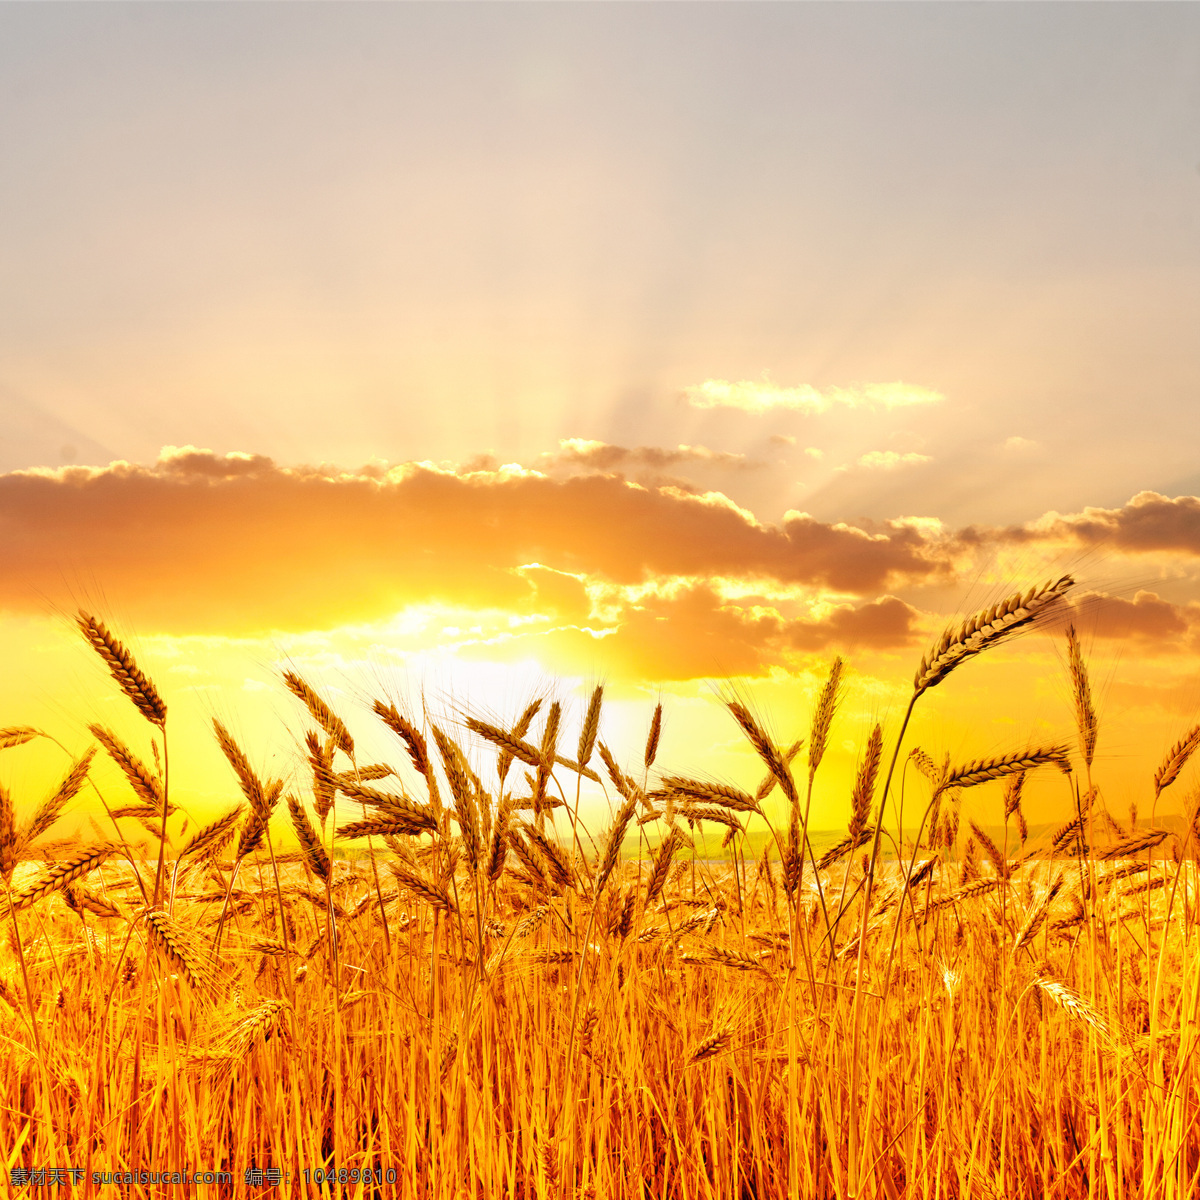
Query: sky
point(469, 353)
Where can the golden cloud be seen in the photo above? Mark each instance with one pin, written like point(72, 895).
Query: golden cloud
point(234, 543)
point(766, 396)
point(889, 460)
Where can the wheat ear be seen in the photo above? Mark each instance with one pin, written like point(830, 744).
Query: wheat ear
point(124, 669)
point(314, 853)
point(321, 712)
point(864, 784)
point(716, 1043)
point(181, 948)
point(17, 735)
point(591, 727)
point(510, 744)
point(984, 769)
point(652, 738)
point(1128, 847)
point(1081, 689)
point(147, 786)
point(985, 629)
point(251, 786)
point(612, 847)
point(60, 875)
point(1176, 760)
point(207, 841)
point(48, 811)
point(464, 801)
point(823, 716)
point(711, 793)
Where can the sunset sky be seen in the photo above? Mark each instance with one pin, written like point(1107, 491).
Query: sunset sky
point(484, 352)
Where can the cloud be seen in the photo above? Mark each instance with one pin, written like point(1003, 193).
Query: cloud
point(1148, 523)
point(1146, 617)
point(1020, 445)
point(202, 542)
point(603, 456)
point(782, 439)
point(766, 396)
point(813, 452)
point(691, 633)
point(555, 593)
point(889, 460)
point(188, 460)
point(881, 624)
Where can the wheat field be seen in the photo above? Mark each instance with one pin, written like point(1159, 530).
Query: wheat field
point(426, 978)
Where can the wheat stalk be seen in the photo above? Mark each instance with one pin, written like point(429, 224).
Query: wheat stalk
point(314, 853)
point(430, 892)
point(1081, 689)
point(57, 877)
point(147, 786)
point(1176, 760)
point(591, 727)
point(823, 716)
point(612, 845)
point(864, 785)
point(712, 793)
point(18, 735)
point(321, 712)
point(208, 840)
point(48, 811)
point(984, 769)
point(124, 670)
point(1128, 847)
point(653, 736)
point(986, 629)
point(716, 1043)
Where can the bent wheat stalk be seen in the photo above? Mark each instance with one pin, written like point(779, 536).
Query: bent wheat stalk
point(986, 629)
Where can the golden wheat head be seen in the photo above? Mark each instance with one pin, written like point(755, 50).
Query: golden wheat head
point(985, 629)
point(124, 669)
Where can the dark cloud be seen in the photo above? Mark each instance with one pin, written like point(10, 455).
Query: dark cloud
point(1147, 524)
point(1146, 617)
point(188, 460)
point(651, 466)
point(881, 624)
